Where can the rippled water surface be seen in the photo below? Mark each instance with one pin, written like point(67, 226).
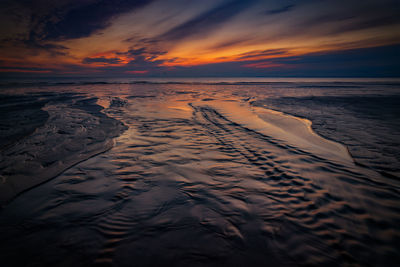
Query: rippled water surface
point(189, 185)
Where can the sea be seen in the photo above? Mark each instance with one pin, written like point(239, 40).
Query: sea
point(200, 171)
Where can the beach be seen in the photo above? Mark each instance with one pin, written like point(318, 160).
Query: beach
point(215, 172)
point(56, 131)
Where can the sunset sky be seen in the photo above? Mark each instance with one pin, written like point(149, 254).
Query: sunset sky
point(200, 38)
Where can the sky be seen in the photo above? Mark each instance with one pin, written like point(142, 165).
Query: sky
point(207, 38)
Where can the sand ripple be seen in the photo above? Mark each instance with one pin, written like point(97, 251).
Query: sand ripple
point(188, 185)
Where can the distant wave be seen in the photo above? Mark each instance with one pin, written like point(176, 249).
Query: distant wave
point(301, 84)
point(330, 86)
point(133, 82)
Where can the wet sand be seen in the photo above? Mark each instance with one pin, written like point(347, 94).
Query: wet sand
point(283, 128)
point(368, 125)
point(58, 131)
point(203, 178)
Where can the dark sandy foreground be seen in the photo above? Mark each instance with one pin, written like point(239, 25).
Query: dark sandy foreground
point(202, 176)
point(43, 134)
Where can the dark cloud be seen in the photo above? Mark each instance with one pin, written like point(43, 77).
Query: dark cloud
point(207, 21)
point(142, 61)
point(52, 49)
point(262, 53)
point(33, 48)
point(86, 19)
point(319, 20)
point(346, 16)
point(135, 52)
point(147, 41)
point(280, 10)
point(90, 60)
point(63, 19)
point(367, 23)
point(148, 53)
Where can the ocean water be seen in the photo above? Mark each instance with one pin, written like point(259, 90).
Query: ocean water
point(197, 174)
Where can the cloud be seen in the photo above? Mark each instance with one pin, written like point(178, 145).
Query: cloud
point(137, 61)
point(253, 55)
point(347, 16)
point(367, 23)
point(85, 19)
point(104, 60)
point(35, 25)
point(229, 43)
point(280, 10)
point(207, 21)
point(263, 65)
point(52, 49)
point(148, 53)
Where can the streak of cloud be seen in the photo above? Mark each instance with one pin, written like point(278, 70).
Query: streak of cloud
point(208, 20)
